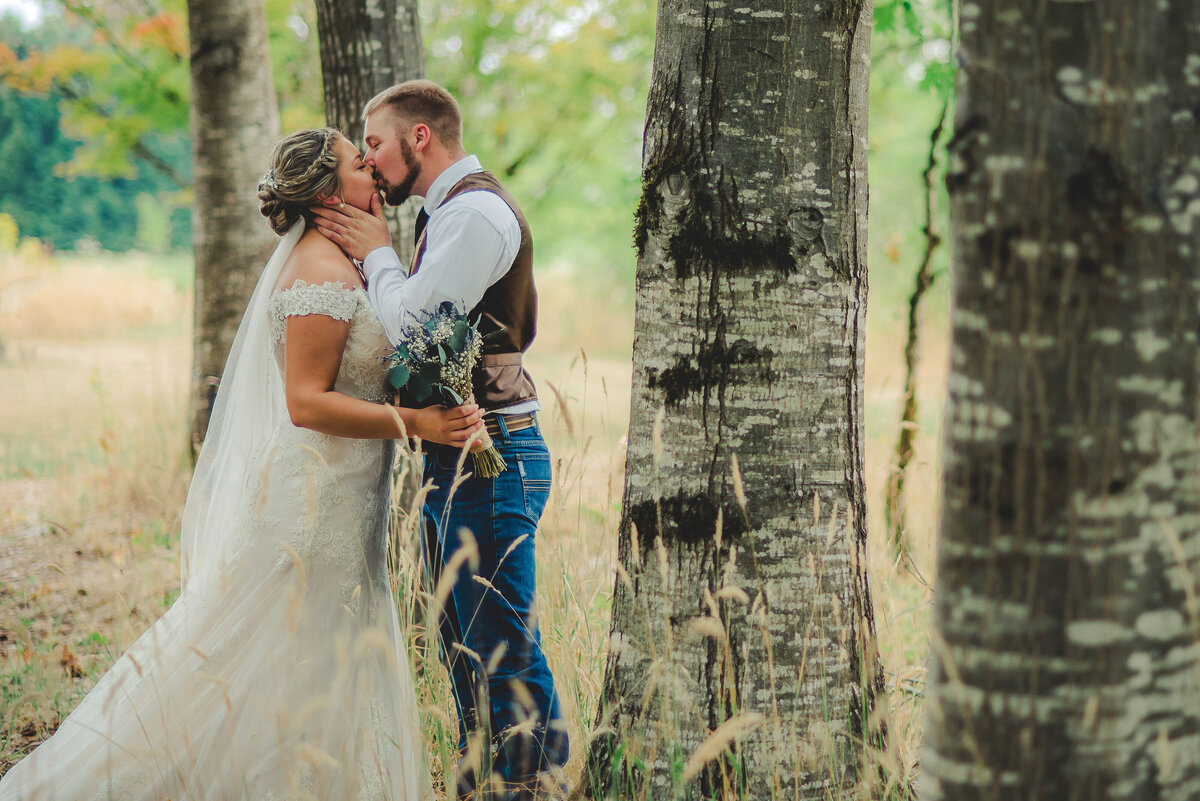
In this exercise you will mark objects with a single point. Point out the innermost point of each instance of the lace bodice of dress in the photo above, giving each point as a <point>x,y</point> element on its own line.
<point>361,374</point>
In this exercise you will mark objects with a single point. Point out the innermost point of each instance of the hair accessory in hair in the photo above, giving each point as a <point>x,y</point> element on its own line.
<point>269,179</point>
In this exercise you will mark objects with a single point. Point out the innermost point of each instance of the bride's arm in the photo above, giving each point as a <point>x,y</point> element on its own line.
<point>313,357</point>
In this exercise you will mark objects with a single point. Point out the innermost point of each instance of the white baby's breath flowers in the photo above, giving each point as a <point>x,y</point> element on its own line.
<point>448,342</point>
<point>444,330</point>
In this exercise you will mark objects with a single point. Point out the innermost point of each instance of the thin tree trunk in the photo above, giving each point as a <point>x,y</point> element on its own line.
<point>1067,643</point>
<point>742,661</point>
<point>894,512</point>
<point>234,123</point>
<point>367,46</point>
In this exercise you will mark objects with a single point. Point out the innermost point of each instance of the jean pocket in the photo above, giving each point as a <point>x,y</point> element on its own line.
<point>536,479</point>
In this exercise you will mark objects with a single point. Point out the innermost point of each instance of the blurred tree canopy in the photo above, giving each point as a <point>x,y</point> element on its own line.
<point>93,111</point>
<point>913,41</point>
<point>553,94</point>
<point>70,168</point>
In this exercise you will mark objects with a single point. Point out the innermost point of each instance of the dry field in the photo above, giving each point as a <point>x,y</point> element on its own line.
<point>93,476</point>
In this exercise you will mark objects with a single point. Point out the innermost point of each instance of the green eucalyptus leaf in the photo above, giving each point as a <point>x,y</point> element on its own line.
<point>499,335</point>
<point>398,376</point>
<point>441,354</point>
<point>430,372</point>
<point>458,340</point>
<point>419,388</point>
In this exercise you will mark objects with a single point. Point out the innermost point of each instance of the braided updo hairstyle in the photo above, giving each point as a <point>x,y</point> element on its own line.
<point>303,172</point>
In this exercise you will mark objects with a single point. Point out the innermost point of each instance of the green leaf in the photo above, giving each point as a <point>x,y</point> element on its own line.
<point>885,17</point>
<point>419,388</point>
<point>402,350</point>
<point>458,340</point>
<point>441,353</point>
<point>499,335</point>
<point>939,77</point>
<point>430,372</point>
<point>911,20</point>
<point>450,397</point>
<point>398,376</point>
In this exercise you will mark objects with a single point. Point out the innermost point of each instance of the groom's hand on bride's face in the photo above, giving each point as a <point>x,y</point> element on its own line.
<point>447,426</point>
<point>355,231</point>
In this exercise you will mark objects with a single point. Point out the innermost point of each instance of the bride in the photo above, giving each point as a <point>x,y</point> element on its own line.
<point>279,672</point>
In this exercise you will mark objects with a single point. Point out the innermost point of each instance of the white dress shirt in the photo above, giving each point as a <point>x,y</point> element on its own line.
<point>471,241</point>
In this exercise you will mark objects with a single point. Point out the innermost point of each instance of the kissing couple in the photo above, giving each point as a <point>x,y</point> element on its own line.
<point>280,671</point>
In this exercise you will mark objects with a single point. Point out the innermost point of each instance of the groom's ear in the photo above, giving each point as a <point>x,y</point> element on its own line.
<point>421,135</point>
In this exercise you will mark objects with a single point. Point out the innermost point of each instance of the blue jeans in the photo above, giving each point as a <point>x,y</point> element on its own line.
<point>496,620</point>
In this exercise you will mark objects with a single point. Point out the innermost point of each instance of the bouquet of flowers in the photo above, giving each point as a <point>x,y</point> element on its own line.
<point>433,363</point>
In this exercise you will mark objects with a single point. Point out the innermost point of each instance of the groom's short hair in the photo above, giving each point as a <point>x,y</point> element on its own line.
<point>421,101</point>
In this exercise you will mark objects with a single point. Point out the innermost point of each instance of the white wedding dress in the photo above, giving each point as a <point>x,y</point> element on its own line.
<point>279,673</point>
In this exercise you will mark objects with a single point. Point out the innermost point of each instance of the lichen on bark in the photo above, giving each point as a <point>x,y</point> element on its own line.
<point>1066,663</point>
<point>736,604</point>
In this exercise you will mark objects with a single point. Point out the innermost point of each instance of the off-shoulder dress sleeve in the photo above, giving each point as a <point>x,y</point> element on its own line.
<point>332,299</point>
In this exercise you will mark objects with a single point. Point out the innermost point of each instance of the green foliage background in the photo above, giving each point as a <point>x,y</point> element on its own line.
<point>63,193</point>
<point>94,140</point>
<point>553,93</point>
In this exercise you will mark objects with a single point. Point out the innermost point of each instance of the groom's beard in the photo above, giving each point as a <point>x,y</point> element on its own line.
<point>395,195</point>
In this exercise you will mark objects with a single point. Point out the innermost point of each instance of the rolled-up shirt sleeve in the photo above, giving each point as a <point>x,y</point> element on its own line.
<point>466,252</point>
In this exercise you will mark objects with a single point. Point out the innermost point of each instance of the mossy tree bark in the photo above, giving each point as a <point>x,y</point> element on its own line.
<point>1067,645</point>
<point>742,661</point>
<point>367,46</point>
<point>234,123</point>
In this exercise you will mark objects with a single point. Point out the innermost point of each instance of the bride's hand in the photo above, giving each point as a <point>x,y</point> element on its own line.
<point>355,231</point>
<point>447,426</point>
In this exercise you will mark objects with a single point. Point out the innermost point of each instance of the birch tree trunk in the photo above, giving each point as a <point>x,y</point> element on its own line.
<point>234,123</point>
<point>1067,646</point>
<point>742,661</point>
<point>367,46</point>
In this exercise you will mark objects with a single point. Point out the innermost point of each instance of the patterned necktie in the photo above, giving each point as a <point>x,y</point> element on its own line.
<point>422,219</point>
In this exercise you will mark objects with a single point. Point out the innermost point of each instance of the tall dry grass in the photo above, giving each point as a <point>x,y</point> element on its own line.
<point>93,474</point>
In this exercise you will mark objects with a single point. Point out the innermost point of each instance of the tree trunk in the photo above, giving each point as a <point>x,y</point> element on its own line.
<point>742,596</point>
<point>234,123</point>
<point>367,46</point>
<point>1067,645</point>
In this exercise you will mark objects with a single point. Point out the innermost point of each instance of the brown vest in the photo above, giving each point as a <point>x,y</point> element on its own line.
<point>507,313</point>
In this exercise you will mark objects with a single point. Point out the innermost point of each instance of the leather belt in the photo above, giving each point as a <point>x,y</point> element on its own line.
<point>513,422</point>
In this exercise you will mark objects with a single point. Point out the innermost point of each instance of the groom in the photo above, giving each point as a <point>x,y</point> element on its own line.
<point>474,249</point>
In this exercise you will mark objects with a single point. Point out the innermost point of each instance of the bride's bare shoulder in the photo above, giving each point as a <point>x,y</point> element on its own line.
<point>316,260</point>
